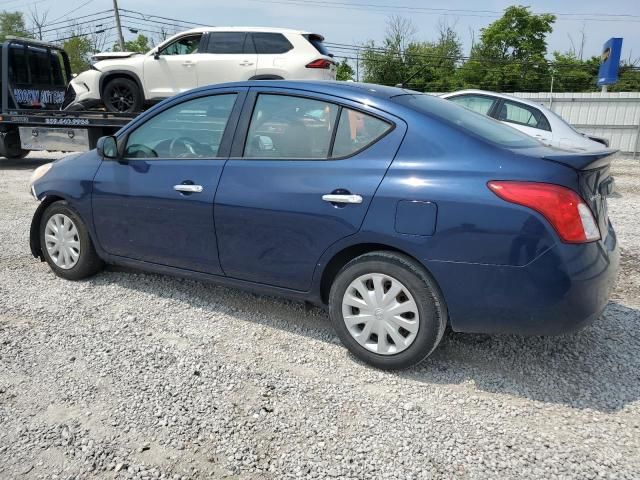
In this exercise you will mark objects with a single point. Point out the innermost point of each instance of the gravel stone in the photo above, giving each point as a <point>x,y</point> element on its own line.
<point>130,375</point>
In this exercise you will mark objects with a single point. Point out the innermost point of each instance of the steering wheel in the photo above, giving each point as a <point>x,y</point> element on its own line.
<point>134,151</point>
<point>187,144</point>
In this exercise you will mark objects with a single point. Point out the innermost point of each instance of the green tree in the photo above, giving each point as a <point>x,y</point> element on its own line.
<point>425,66</point>
<point>433,65</point>
<point>79,49</point>
<point>628,79</point>
<point>344,71</point>
<point>12,23</point>
<point>571,74</point>
<point>510,55</point>
<point>140,44</point>
<point>387,65</point>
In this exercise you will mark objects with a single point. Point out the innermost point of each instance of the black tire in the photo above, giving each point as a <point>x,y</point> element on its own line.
<point>18,155</point>
<point>10,146</point>
<point>425,292</point>
<point>89,263</point>
<point>122,95</point>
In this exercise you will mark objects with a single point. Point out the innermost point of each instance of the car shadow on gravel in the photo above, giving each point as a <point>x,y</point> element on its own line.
<point>597,368</point>
<point>28,163</point>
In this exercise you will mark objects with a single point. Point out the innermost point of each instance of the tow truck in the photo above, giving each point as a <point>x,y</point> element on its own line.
<point>34,78</point>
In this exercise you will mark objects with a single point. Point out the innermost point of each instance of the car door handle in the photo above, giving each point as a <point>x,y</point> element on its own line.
<point>188,64</point>
<point>245,64</point>
<point>186,188</point>
<point>336,198</point>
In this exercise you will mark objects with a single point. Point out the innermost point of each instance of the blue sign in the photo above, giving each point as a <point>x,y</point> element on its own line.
<point>610,62</point>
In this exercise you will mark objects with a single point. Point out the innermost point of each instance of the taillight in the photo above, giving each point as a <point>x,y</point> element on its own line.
<point>320,63</point>
<point>562,207</point>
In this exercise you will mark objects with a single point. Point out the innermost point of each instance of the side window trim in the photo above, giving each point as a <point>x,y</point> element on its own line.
<point>204,42</point>
<point>334,133</point>
<point>242,130</point>
<point>250,44</point>
<point>224,149</point>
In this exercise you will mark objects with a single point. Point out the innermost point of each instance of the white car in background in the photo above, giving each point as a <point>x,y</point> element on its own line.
<point>528,117</point>
<point>126,81</point>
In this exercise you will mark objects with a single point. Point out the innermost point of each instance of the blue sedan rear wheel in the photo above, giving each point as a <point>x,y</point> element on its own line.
<point>387,310</point>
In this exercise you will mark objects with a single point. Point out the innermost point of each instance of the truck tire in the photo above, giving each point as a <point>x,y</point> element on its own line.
<point>122,95</point>
<point>10,146</point>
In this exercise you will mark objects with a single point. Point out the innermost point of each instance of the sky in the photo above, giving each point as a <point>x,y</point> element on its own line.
<point>357,21</point>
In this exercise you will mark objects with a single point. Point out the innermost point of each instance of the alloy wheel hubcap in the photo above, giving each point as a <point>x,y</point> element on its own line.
<point>380,313</point>
<point>121,98</point>
<point>62,241</point>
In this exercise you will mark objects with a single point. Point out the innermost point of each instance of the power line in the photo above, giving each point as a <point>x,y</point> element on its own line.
<point>382,8</point>
<point>74,10</point>
<point>149,17</point>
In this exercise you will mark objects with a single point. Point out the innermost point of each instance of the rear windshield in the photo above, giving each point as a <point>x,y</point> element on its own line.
<point>316,41</point>
<point>474,123</point>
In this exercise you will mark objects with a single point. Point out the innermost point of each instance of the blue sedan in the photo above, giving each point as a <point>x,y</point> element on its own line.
<point>400,212</point>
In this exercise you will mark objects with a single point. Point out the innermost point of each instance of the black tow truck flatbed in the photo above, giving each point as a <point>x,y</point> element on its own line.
<point>34,77</point>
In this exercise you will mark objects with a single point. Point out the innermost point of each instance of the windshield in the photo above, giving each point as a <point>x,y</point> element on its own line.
<point>474,123</point>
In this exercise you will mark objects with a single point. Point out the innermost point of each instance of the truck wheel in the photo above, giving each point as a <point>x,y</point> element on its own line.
<point>18,155</point>
<point>10,146</point>
<point>122,95</point>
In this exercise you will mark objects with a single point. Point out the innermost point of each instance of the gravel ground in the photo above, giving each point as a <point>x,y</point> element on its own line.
<point>132,375</point>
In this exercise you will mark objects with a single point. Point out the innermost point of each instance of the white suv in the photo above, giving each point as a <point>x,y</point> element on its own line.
<point>125,81</point>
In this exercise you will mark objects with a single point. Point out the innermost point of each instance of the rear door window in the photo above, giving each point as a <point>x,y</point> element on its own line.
<point>477,103</point>
<point>226,42</point>
<point>521,114</point>
<point>357,131</point>
<point>290,127</point>
<point>271,43</point>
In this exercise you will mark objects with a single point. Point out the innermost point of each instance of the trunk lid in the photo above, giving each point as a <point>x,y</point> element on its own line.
<point>595,182</point>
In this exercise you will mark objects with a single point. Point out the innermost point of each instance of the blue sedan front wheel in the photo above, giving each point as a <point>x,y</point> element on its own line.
<point>66,244</point>
<point>387,310</point>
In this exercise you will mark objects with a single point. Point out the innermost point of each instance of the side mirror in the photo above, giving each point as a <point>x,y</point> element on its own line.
<point>156,55</point>
<point>107,147</point>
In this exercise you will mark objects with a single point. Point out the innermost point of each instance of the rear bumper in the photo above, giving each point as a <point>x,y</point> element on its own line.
<point>563,290</point>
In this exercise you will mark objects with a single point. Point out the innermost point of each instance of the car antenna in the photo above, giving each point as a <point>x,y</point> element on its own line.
<point>404,83</point>
<point>420,70</point>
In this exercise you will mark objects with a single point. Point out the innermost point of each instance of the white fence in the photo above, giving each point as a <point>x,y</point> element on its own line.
<point>614,116</point>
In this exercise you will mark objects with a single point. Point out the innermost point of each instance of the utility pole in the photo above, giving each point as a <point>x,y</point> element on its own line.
<point>118,25</point>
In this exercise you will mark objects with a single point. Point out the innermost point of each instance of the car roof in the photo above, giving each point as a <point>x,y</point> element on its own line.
<point>328,87</point>
<point>496,95</point>
<point>246,29</point>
